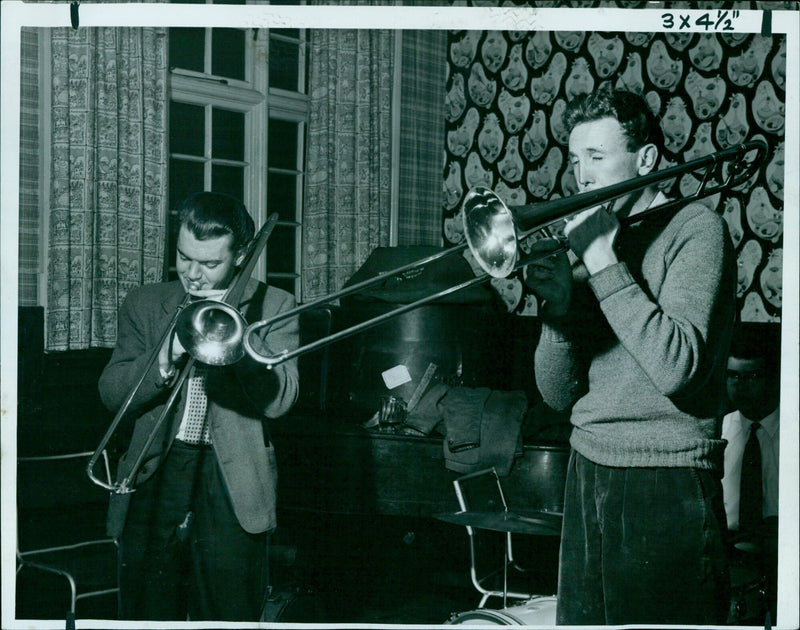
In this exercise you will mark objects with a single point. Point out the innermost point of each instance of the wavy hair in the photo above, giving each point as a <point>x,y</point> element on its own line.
<point>629,109</point>
<point>212,215</point>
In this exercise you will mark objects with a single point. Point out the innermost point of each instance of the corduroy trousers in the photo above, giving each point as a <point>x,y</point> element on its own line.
<point>642,545</point>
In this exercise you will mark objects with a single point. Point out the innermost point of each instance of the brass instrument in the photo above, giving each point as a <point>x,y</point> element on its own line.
<point>493,231</point>
<point>215,332</point>
<point>219,329</point>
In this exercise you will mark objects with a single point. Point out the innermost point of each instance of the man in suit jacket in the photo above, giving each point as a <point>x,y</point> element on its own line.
<point>194,535</point>
<point>753,386</point>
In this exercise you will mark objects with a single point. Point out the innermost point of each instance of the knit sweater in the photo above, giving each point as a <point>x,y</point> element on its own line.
<point>641,356</point>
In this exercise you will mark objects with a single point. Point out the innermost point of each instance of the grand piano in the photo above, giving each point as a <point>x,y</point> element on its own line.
<point>329,464</point>
<point>329,461</point>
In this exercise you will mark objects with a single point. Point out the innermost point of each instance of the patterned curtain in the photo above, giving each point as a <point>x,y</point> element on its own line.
<point>108,185</point>
<point>421,197</point>
<point>29,143</point>
<point>348,186</point>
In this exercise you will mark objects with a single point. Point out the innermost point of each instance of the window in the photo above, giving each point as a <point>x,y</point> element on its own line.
<point>238,111</point>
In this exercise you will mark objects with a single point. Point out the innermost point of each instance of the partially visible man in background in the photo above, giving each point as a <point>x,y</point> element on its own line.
<point>750,484</point>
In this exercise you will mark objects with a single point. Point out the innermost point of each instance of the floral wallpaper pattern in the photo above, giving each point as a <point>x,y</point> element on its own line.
<point>506,92</point>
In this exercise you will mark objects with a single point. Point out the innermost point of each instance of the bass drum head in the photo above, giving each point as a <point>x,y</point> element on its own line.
<point>537,611</point>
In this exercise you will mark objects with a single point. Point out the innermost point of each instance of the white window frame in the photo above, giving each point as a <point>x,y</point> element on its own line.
<point>259,103</point>
<point>248,97</point>
<point>292,107</point>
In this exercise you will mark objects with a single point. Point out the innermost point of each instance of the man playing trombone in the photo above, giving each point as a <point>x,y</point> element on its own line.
<point>194,535</point>
<point>635,332</point>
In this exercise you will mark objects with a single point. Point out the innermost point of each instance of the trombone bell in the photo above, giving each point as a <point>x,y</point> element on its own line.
<point>212,332</point>
<point>491,232</point>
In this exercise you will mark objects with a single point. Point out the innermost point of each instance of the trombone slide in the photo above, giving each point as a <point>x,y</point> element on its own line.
<point>232,296</point>
<point>216,333</point>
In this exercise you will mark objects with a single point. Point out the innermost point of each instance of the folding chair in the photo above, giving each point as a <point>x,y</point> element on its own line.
<point>54,535</point>
<point>484,510</point>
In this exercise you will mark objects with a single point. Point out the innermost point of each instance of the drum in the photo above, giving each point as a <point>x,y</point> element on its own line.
<point>537,611</point>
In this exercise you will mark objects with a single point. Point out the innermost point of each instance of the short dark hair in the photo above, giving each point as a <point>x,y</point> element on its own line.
<point>212,215</point>
<point>631,110</point>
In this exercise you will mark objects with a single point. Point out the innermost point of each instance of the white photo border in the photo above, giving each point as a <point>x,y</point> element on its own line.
<point>16,14</point>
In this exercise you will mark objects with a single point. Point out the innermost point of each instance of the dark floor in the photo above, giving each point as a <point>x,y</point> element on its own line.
<point>397,570</point>
<point>345,569</point>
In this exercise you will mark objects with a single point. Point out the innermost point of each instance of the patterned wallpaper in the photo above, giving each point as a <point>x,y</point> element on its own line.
<point>506,92</point>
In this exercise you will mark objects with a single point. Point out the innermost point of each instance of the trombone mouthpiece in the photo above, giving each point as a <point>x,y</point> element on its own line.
<point>491,232</point>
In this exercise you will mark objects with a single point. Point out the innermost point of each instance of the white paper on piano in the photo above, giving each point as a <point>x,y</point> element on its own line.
<point>396,376</point>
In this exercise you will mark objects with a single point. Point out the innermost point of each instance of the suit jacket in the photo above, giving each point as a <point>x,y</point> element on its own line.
<point>241,398</point>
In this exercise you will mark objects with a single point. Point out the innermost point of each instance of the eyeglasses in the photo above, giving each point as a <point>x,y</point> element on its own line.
<point>751,375</point>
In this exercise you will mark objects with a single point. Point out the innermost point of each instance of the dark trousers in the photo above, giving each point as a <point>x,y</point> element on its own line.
<point>183,552</point>
<point>642,545</point>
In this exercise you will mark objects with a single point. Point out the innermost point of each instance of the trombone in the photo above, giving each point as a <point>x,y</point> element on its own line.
<point>493,232</point>
<point>219,326</point>
<point>214,331</point>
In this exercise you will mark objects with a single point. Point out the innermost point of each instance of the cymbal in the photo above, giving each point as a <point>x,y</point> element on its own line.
<point>537,523</point>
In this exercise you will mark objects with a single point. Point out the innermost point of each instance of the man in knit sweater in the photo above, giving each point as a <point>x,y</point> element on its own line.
<point>636,328</point>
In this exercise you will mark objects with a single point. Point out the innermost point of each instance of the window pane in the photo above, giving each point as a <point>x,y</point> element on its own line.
<point>282,196</point>
<point>184,178</point>
<point>284,61</point>
<point>228,179</point>
<point>281,250</point>
<point>186,129</point>
<point>287,284</point>
<point>227,52</point>
<point>187,48</point>
<point>227,133</point>
<point>282,140</point>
